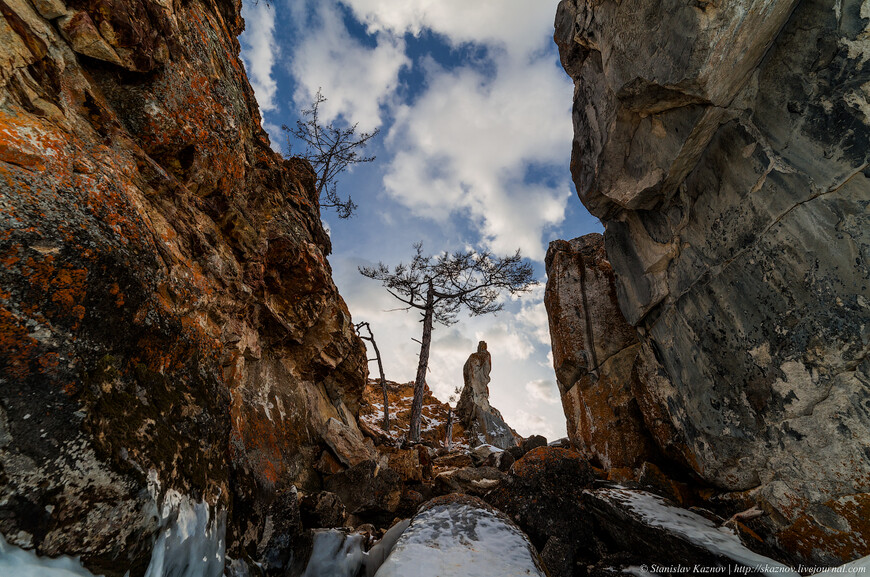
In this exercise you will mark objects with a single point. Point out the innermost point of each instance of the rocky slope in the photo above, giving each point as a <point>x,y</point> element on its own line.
<point>433,426</point>
<point>724,147</point>
<point>167,316</point>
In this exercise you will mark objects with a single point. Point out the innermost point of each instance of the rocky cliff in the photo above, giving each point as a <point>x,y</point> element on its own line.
<point>167,316</point>
<point>725,148</point>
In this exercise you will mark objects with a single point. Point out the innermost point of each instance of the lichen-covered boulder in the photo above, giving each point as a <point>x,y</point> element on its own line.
<point>542,493</point>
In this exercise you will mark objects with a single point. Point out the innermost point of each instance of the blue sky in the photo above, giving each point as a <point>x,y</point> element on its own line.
<point>475,119</point>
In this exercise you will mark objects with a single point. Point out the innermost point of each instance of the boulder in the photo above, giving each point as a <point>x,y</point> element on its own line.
<point>501,461</point>
<point>723,146</point>
<point>460,536</point>
<point>346,442</point>
<point>533,442</point>
<point>542,493</point>
<point>657,532</point>
<point>482,452</point>
<point>476,481</point>
<point>367,488</point>
<point>453,461</point>
<point>483,423</point>
<point>594,353</point>
<point>322,510</point>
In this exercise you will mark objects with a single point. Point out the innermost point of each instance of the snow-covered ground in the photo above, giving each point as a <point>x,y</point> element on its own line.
<point>456,540</point>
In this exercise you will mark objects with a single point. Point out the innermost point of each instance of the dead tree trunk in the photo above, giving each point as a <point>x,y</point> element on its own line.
<point>371,339</point>
<point>450,429</point>
<point>420,383</point>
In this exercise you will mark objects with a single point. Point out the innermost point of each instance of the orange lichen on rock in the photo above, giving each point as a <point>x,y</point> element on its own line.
<point>848,539</point>
<point>433,427</point>
<point>166,305</point>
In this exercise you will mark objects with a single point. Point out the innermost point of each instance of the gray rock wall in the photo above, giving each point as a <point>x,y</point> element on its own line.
<point>726,147</point>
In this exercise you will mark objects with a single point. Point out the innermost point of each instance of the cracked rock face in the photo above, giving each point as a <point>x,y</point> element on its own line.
<point>166,306</point>
<point>594,354</point>
<point>725,147</point>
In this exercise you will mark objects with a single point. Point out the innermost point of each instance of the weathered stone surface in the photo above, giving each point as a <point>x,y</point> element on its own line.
<point>406,462</point>
<point>322,510</point>
<point>482,421</point>
<point>542,493</point>
<point>724,146</point>
<point>453,461</point>
<point>534,442</point>
<point>594,353</point>
<point>657,533</point>
<point>433,428</point>
<point>346,442</point>
<point>476,481</point>
<point>367,488</point>
<point>166,306</point>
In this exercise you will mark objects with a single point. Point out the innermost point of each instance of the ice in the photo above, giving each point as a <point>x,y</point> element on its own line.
<point>696,529</point>
<point>337,554</point>
<point>21,563</point>
<point>460,540</point>
<point>191,543</point>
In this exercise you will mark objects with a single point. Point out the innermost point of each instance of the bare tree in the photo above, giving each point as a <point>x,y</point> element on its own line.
<point>440,286</point>
<point>371,338</point>
<point>451,402</point>
<point>330,150</point>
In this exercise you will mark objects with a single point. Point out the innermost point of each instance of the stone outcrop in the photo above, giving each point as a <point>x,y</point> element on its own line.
<point>724,147</point>
<point>483,422</point>
<point>594,353</point>
<point>167,315</point>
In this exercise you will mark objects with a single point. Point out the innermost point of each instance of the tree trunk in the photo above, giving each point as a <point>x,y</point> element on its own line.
<point>422,366</point>
<point>450,429</point>
<point>383,383</point>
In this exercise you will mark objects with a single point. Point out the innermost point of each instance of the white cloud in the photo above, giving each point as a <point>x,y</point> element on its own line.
<point>527,424</point>
<point>465,146</point>
<point>356,79</point>
<point>517,25</point>
<point>259,51</point>
<point>543,390</point>
<point>504,337</point>
<point>533,315</point>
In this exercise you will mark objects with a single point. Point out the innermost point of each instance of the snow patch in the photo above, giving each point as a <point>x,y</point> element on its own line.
<point>695,529</point>
<point>458,539</point>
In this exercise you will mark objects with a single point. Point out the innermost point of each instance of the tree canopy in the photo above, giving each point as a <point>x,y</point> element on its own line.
<point>469,279</point>
<point>440,286</point>
<point>330,150</point>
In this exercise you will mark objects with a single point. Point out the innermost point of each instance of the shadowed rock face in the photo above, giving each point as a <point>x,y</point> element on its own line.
<point>724,146</point>
<point>165,300</point>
